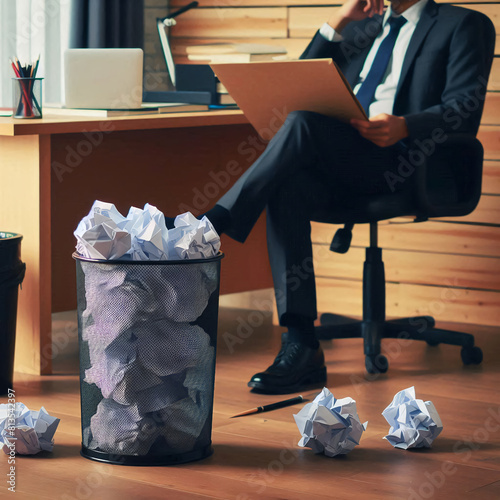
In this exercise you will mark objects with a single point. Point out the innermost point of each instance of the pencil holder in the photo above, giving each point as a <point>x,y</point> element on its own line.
<point>147,335</point>
<point>27,97</point>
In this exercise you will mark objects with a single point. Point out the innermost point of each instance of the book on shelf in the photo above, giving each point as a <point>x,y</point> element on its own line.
<point>226,99</point>
<point>220,89</point>
<point>233,57</point>
<point>145,109</point>
<point>181,108</point>
<point>235,48</point>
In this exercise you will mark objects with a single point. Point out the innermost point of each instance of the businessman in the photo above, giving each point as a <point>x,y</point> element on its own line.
<point>420,71</point>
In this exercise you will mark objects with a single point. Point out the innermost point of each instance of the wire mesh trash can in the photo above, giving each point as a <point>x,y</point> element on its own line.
<point>147,335</point>
<point>11,276</point>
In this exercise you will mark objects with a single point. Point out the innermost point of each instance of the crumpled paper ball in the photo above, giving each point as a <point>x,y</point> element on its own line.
<point>192,238</point>
<point>105,234</point>
<point>149,233</point>
<point>330,426</point>
<point>414,423</point>
<point>33,430</point>
<point>185,292</point>
<point>166,348</point>
<point>117,428</point>
<point>101,234</point>
<point>141,355</point>
<point>177,408</point>
<point>144,293</point>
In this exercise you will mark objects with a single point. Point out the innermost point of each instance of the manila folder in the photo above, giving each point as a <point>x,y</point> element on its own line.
<point>267,91</point>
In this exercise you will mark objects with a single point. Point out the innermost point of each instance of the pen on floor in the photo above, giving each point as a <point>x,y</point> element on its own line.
<point>271,407</point>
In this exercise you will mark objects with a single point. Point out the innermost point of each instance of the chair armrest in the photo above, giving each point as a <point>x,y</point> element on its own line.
<point>448,183</point>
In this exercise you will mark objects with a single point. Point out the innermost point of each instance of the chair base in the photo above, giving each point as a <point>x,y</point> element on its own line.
<point>334,326</point>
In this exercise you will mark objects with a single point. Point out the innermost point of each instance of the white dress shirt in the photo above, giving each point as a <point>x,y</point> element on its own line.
<point>386,91</point>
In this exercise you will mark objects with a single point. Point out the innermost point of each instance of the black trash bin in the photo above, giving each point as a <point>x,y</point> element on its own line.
<point>11,276</point>
<point>147,336</point>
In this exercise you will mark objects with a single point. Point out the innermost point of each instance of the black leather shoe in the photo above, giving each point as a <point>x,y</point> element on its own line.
<point>295,368</point>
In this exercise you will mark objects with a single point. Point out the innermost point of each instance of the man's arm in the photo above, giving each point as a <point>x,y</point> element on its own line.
<point>352,10</point>
<point>462,100</point>
<point>383,130</point>
<point>467,71</point>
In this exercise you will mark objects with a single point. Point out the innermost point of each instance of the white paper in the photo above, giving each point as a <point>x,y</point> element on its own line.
<point>414,423</point>
<point>118,428</point>
<point>149,233</point>
<point>33,430</point>
<point>106,234</point>
<point>330,426</point>
<point>192,238</point>
<point>108,365</point>
<point>100,235</point>
<point>166,348</point>
<point>185,292</point>
<point>183,423</point>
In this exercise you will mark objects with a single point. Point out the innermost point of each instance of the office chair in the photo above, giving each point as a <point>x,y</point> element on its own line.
<point>448,183</point>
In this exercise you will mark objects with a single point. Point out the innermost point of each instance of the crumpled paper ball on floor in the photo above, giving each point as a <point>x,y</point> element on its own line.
<point>32,431</point>
<point>414,423</point>
<point>330,426</point>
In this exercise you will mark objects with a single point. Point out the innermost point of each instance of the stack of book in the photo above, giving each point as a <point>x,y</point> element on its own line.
<point>223,96</point>
<point>146,109</point>
<point>233,53</point>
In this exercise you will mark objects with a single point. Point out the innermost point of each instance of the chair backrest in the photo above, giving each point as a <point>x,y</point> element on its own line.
<point>449,184</point>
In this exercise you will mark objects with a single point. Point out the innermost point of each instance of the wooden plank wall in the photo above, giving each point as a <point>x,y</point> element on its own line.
<point>449,267</point>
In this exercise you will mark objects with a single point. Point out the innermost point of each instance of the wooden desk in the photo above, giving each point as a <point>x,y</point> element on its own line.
<point>51,171</point>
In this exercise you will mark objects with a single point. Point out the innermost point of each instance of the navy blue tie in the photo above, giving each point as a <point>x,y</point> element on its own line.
<point>366,92</point>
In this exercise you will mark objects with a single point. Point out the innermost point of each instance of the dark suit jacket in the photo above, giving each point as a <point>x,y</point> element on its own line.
<point>445,71</point>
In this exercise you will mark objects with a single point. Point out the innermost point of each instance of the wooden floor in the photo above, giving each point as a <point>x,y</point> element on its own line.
<point>257,457</point>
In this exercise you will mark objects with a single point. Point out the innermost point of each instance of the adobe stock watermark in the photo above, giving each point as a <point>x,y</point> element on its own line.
<point>262,309</point>
<point>265,476</point>
<point>10,426</point>
<point>223,7</point>
<point>422,149</point>
<point>462,449</point>
<point>363,37</point>
<point>38,20</point>
<point>393,347</point>
<point>60,341</point>
<point>88,487</point>
<point>249,149</point>
<point>93,139</point>
<point>84,148</point>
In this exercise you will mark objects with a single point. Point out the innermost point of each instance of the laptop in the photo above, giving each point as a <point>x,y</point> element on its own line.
<point>103,78</point>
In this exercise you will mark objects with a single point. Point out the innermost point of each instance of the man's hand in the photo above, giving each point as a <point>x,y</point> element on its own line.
<point>355,10</point>
<point>383,130</point>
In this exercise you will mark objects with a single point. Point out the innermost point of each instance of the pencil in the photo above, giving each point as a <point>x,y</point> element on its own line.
<point>36,66</point>
<point>271,407</point>
<point>26,90</point>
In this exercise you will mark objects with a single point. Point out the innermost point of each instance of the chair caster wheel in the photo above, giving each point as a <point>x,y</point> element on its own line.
<point>433,343</point>
<point>471,355</point>
<point>376,364</point>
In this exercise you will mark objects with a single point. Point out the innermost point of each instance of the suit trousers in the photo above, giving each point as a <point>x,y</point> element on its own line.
<point>313,165</point>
